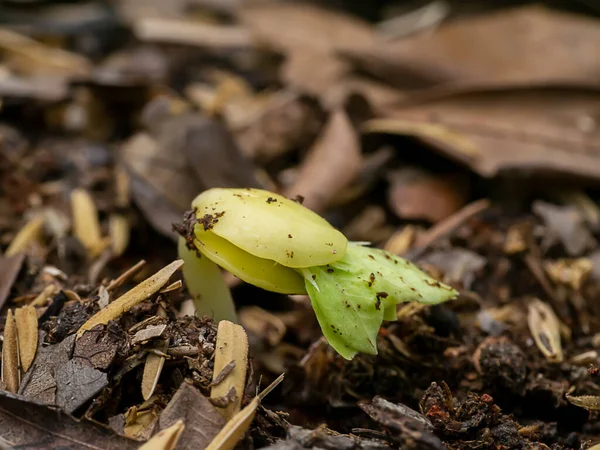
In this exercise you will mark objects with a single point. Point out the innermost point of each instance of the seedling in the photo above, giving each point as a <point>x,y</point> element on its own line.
<point>277,244</point>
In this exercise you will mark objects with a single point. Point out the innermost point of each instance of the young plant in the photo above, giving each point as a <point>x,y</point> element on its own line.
<point>277,244</point>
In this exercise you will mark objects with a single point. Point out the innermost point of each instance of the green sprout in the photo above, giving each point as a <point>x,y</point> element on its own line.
<point>279,245</point>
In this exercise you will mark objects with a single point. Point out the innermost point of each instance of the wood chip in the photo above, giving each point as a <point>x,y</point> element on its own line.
<point>86,224</point>
<point>235,429</point>
<point>589,402</point>
<point>27,331</point>
<point>152,370</point>
<point>232,346</point>
<point>138,294</point>
<point>150,332</point>
<point>166,439</point>
<point>31,232</point>
<point>545,329</point>
<point>10,355</point>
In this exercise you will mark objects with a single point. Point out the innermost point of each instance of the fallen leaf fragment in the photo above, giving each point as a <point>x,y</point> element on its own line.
<point>236,427</point>
<point>337,147</point>
<point>589,402</point>
<point>263,323</point>
<point>166,439</point>
<point>10,355</point>
<point>545,329</point>
<point>231,347</point>
<point>29,233</point>
<point>10,266</point>
<point>202,420</point>
<point>138,294</point>
<point>152,370</point>
<point>86,225</point>
<point>27,331</point>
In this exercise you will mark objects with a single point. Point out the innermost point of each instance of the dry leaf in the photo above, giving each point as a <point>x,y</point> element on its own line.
<point>166,439</point>
<point>140,422</point>
<point>545,329</point>
<point>401,241</point>
<point>43,296</point>
<point>138,294</point>
<point>589,402</point>
<point>86,225</point>
<point>235,429</point>
<point>337,147</point>
<point>11,376</point>
<point>31,232</point>
<point>9,270</point>
<point>262,323</point>
<point>231,347</point>
<point>27,331</point>
<point>119,230</point>
<point>152,370</point>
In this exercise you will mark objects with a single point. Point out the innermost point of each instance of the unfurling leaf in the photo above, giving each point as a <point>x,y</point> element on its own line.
<point>353,296</point>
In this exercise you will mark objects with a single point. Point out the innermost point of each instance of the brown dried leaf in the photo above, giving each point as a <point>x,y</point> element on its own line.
<point>331,165</point>
<point>589,402</point>
<point>31,232</point>
<point>86,224</point>
<point>27,330</point>
<point>138,294</point>
<point>231,346</point>
<point>28,424</point>
<point>509,130</point>
<point>545,329</point>
<point>202,420</point>
<point>166,439</point>
<point>9,270</point>
<point>525,34</point>
<point>236,427</point>
<point>150,332</point>
<point>10,355</point>
<point>152,370</point>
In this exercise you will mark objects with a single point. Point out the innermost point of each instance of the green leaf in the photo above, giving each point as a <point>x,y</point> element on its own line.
<point>351,297</point>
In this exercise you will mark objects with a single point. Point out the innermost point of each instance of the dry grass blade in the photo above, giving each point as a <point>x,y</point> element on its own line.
<point>589,402</point>
<point>86,225</point>
<point>10,355</point>
<point>27,331</point>
<point>232,346</point>
<point>545,328</point>
<point>138,294</point>
<point>29,233</point>
<point>236,427</point>
<point>152,370</point>
<point>167,439</point>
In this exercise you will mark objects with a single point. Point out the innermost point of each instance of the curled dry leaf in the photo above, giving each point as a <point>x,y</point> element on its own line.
<point>545,329</point>
<point>27,331</point>
<point>10,355</point>
<point>231,347</point>
<point>138,294</point>
<point>86,225</point>
<point>236,427</point>
<point>337,147</point>
<point>31,232</point>
<point>589,402</point>
<point>166,439</point>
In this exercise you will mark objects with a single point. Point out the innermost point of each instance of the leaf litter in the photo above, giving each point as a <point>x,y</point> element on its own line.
<point>481,169</point>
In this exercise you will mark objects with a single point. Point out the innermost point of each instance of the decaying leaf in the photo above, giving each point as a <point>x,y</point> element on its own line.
<point>152,370</point>
<point>166,439</point>
<point>27,330</point>
<point>338,147</point>
<point>10,355</point>
<point>589,402</point>
<point>236,427</point>
<point>10,266</point>
<point>31,232</point>
<point>76,384</point>
<point>545,329</point>
<point>201,419</point>
<point>138,294</point>
<point>86,225</point>
<point>231,347</point>
<point>29,424</point>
